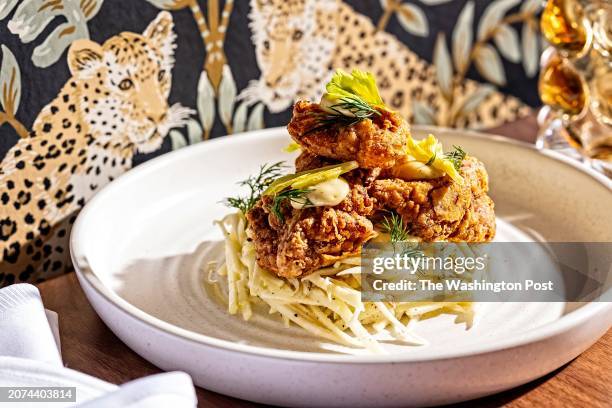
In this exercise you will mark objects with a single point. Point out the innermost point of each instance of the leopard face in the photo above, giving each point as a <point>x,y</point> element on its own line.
<point>113,106</point>
<point>294,42</point>
<point>299,43</point>
<point>123,85</point>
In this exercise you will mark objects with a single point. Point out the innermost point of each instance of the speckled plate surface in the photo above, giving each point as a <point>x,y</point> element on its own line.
<point>140,245</point>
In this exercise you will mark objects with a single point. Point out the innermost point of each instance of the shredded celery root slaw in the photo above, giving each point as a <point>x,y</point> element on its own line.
<point>326,303</point>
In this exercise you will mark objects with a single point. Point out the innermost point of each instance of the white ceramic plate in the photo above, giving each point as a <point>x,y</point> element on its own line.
<point>141,245</point>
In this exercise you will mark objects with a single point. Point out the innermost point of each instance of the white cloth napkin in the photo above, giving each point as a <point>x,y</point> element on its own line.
<point>30,356</point>
<point>26,329</point>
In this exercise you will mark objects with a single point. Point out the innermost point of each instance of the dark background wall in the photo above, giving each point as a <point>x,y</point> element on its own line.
<point>40,85</point>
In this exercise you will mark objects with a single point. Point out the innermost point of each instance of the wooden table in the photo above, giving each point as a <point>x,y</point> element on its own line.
<point>89,346</point>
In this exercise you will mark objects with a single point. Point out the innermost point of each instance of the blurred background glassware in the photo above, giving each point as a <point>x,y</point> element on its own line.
<point>575,82</point>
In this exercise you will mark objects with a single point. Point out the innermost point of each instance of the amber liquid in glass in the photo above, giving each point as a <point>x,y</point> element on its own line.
<point>562,26</point>
<point>576,77</point>
<point>561,88</point>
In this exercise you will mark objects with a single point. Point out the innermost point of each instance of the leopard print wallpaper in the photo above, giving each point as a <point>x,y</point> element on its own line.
<point>92,88</point>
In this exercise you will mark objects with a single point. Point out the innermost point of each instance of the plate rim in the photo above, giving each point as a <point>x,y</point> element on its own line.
<point>88,276</point>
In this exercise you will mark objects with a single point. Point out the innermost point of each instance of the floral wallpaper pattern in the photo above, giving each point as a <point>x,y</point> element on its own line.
<point>90,88</point>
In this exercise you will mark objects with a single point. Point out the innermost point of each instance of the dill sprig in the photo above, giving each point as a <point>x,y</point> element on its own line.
<point>256,185</point>
<point>399,235</point>
<point>296,195</point>
<point>356,106</point>
<point>359,110</point>
<point>325,121</point>
<point>456,156</point>
<point>395,227</point>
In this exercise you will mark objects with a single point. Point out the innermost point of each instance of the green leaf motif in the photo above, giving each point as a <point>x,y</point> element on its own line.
<point>444,66</point>
<point>489,64</point>
<point>531,52</point>
<point>206,103</point>
<point>194,131</point>
<point>6,6</point>
<point>256,120</point>
<point>493,15</point>
<point>423,114</point>
<point>31,19</point>
<point>227,96</point>
<point>10,81</point>
<point>531,6</point>
<point>471,102</point>
<point>413,20</point>
<point>240,118</point>
<point>177,139</point>
<point>463,37</point>
<point>507,42</point>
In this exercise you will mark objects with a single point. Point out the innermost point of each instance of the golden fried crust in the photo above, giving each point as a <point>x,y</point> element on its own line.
<point>478,224</point>
<point>437,209</point>
<point>264,235</point>
<point>377,142</point>
<point>311,238</point>
<point>440,209</point>
<point>318,237</point>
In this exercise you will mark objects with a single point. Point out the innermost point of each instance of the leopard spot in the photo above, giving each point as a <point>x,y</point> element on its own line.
<point>9,279</point>
<point>44,227</point>
<point>26,274</point>
<point>11,254</point>
<point>7,228</point>
<point>29,218</point>
<point>398,99</point>
<point>24,197</point>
